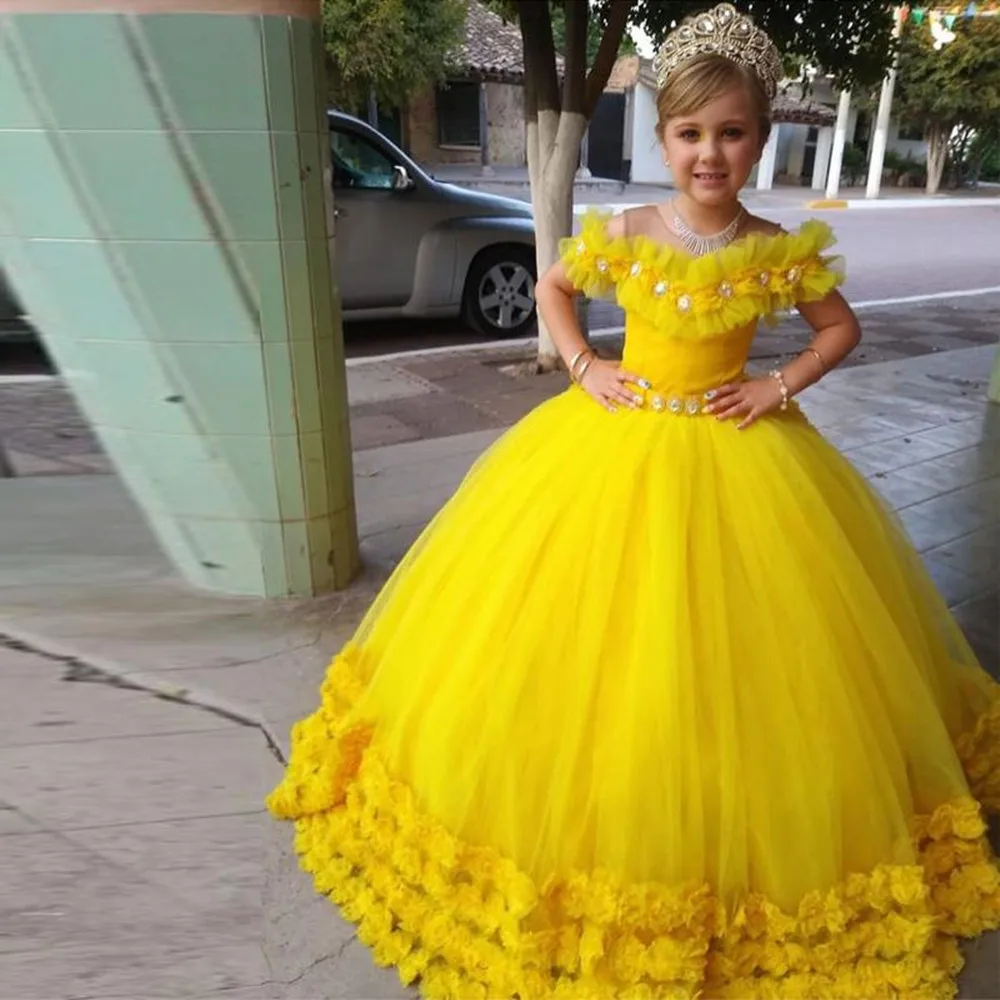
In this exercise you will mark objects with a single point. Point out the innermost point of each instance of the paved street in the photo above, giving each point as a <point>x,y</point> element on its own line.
<point>890,253</point>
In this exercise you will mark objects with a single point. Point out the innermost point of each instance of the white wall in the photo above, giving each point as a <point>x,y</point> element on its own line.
<point>647,158</point>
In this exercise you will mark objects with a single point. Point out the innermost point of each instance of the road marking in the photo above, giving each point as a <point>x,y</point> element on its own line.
<point>599,333</point>
<point>605,332</point>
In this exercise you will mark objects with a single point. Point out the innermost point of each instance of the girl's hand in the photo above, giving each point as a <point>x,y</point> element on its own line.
<point>750,400</point>
<point>605,382</point>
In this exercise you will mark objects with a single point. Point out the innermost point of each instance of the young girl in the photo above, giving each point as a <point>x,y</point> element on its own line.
<point>662,703</point>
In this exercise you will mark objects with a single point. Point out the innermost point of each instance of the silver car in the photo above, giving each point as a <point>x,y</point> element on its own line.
<point>409,245</point>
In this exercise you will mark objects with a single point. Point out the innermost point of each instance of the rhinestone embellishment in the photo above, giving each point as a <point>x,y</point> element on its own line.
<point>581,247</point>
<point>661,288</point>
<point>602,265</point>
<point>793,274</point>
<point>679,406</point>
<point>684,303</point>
<point>635,270</point>
<point>726,289</point>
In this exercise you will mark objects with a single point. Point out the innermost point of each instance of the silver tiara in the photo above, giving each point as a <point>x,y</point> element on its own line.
<point>722,31</point>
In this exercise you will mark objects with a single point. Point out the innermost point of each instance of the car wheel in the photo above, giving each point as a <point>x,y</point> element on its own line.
<point>499,298</point>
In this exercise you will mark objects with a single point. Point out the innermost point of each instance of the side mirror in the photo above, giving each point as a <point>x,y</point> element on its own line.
<point>401,180</point>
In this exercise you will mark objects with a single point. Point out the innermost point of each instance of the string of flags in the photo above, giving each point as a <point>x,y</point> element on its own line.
<point>942,21</point>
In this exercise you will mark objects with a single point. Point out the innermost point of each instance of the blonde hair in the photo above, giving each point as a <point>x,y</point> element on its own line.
<point>704,79</point>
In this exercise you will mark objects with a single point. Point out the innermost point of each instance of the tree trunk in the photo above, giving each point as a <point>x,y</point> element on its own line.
<point>552,201</point>
<point>557,122</point>
<point>937,155</point>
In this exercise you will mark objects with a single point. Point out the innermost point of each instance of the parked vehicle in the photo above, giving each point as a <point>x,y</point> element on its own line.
<point>409,245</point>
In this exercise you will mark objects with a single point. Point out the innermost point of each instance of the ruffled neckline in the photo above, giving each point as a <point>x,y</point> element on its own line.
<point>759,275</point>
<point>813,234</point>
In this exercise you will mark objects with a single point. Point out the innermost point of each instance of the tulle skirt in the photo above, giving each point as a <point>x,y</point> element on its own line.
<point>653,708</point>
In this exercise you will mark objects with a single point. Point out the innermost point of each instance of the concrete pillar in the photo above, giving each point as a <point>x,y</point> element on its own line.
<point>839,141</point>
<point>768,160</point>
<point>166,217</point>
<point>821,166</point>
<point>994,390</point>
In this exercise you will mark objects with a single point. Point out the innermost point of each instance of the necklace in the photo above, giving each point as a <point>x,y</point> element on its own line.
<point>700,245</point>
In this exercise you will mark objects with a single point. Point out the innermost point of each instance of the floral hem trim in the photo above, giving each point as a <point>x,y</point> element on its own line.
<point>757,276</point>
<point>465,922</point>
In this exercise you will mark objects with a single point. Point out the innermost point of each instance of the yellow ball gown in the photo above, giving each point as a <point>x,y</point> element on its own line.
<point>655,707</point>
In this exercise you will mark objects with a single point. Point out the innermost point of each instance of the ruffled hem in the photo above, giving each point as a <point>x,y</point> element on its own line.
<point>757,276</point>
<point>466,923</point>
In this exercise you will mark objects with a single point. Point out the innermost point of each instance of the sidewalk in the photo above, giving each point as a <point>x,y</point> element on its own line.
<point>429,396</point>
<point>155,802</point>
<point>600,191</point>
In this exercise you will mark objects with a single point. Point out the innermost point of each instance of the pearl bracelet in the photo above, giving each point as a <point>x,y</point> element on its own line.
<point>779,377</point>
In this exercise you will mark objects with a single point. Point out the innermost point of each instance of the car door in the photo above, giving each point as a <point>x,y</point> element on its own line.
<point>379,224</point>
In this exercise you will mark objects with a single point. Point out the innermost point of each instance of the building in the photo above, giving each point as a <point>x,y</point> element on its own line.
<point>622,141</point>
<point>477,115</point>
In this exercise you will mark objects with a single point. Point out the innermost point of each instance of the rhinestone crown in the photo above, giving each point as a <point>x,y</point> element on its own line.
<point>723,31</point>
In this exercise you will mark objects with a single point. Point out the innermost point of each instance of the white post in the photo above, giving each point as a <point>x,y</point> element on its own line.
<point>821,166</point>
<point>881,138</point>
<point>839,141</point>
<point>768,160</point>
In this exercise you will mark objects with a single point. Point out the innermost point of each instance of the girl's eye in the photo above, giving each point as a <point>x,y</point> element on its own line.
<point>689,133</point>
<point>733,133</point>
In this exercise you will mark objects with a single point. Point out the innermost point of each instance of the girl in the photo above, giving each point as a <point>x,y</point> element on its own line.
<point>662,703</point>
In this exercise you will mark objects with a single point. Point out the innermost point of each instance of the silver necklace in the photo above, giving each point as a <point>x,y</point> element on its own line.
<point>700,245</point>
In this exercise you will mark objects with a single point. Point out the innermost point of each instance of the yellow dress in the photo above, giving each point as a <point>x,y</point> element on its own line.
<point>655,707</point>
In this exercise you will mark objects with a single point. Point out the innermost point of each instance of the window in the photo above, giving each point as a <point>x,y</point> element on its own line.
<point>359,164</point>
<point>458,115</point>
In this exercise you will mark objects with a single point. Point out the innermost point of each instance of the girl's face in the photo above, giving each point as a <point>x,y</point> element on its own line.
<point>712,151</point>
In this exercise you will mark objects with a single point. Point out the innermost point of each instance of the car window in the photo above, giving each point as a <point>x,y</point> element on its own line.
<point>359,164</point>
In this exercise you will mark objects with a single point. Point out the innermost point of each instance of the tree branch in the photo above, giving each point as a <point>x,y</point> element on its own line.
<point>607,53</point>
<point>575,68</point>
<point>539,54</point>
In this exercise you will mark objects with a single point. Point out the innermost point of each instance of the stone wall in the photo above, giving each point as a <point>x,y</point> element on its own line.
<point>505,117</point>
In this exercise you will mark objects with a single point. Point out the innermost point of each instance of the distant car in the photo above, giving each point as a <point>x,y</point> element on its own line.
<point>409,245</point>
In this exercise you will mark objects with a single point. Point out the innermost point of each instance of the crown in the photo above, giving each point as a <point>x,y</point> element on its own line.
<point>722,31</point>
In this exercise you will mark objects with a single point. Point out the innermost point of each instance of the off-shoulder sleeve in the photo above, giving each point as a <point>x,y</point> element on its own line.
<point>810,273</point>
<point>594,260</point>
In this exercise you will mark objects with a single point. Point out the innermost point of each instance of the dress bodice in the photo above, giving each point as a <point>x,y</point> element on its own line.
<point>690,321</point>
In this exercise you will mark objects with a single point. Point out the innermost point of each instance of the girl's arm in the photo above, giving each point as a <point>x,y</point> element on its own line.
<point>604,381</point>
<point>837,334</point>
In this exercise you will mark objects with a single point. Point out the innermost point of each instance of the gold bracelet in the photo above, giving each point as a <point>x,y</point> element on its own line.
<point>576,357</point>
<point>581,361</point>
<point>588,361</point>
<point>824,367</point>
<point>779,377</point>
